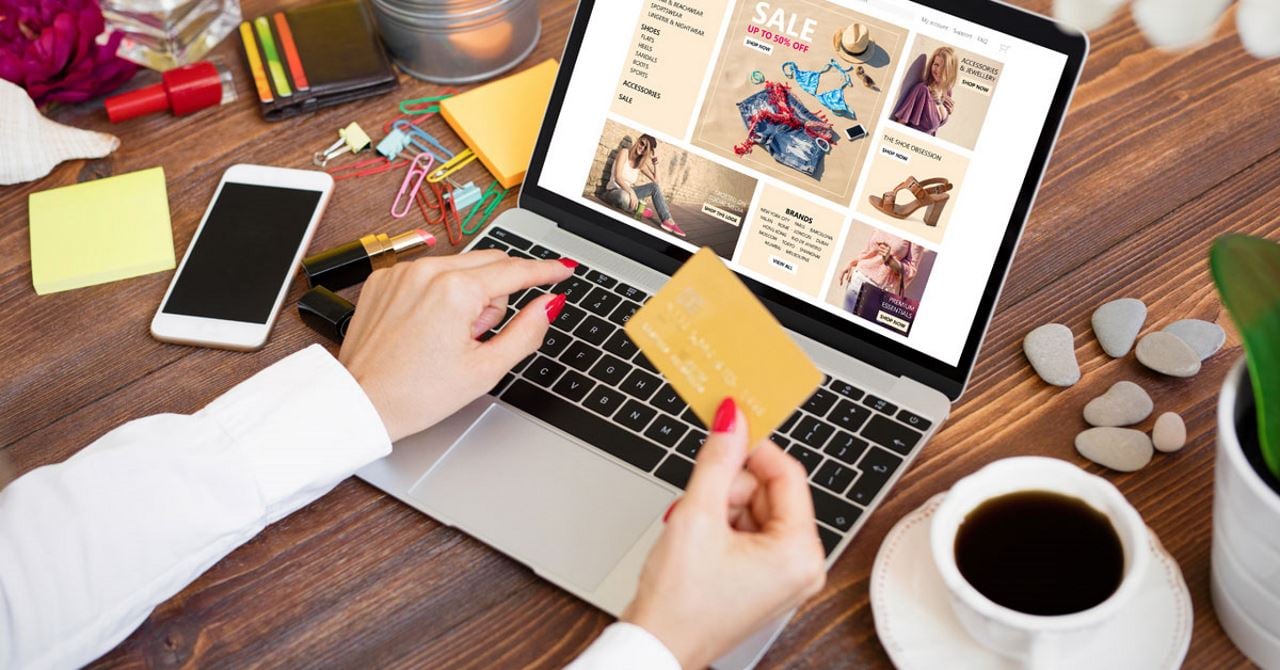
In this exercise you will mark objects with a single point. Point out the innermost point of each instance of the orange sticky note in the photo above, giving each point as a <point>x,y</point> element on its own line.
<point>711,338</point>
<point>500,120</point>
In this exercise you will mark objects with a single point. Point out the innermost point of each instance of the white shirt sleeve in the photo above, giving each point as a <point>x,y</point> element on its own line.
<point>624,646</point>
<point>89,546</point>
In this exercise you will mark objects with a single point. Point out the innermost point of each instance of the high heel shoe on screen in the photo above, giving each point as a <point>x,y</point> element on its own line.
<point>929,193</point>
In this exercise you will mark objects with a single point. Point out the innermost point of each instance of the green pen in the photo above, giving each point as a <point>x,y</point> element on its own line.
<point>272,57</point>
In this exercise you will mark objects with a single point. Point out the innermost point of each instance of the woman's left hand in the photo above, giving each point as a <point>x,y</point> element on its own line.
<point>412,344</point>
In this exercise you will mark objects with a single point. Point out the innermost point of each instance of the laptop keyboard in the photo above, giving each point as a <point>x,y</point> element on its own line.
<point>590,380</point>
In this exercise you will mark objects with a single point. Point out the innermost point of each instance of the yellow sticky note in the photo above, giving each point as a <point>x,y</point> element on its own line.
<point>100,231</point>
<point>500,120</point>
<point>711,338</point>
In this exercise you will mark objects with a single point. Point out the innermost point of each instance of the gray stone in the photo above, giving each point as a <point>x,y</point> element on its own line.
<point>1204,337</point>
<point>1052,352</point>
<point>1167,354</point>
<point>1124,404</point>
<point>1122,449</point>
<point>1116,325</point>
<point>1170,433</point>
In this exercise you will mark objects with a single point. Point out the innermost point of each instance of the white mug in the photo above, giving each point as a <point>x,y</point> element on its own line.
<point>1036,641</point>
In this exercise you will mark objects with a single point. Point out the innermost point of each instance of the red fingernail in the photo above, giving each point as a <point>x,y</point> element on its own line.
<point>670,508</point>
<point>554,307</point>
<point>568,262</point>
<point>725,416</point>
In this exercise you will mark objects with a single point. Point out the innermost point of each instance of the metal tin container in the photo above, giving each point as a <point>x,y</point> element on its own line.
<point>457,41</point>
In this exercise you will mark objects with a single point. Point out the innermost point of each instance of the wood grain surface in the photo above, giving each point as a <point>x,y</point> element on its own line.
<point>1161,152</point>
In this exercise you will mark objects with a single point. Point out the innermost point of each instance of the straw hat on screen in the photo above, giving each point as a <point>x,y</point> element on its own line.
<point>853,44</point>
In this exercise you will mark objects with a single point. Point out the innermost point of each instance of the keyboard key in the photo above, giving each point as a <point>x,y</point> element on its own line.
<point>624,312</point>
<point>570,317</point>
<point>879,404</point>
<point>489,243</point>
<point>543,371</point>
<point>879,462</point>
<point>644,363</point>
<point>630,292</point>
<point>510,238</point>
<point>635,416</point>
<point>524,363</point>
<point>595,431</point>
<point>581,270</point>
<point>675,471</point>
<point>526,298</point>
<point>610,370</point>
<point>691,443</point>
<point>845,389</point>
<point>667,400</point>
<point>692,419</point>
<point>604,401</point>
<point>918,422</point>
<point>573,288</point>
<point>519,254</point>
<point>789,423</point>
<point>849,416</point>
<point>620,345</point>
<point>807,457</point>
<point>665,430</point>
<point>820,402</point>
<point>640,384</point>
<point>600,278</point>
<point>889,433</point>
<point>601,302</point>
<point>580,356</point>
<point>594,330</point>
<point>573,386</point>
<point>865,489</point>
<point>846,447</point>
<point>502,384</point>
<point>812,432</point>
<point>539,251</point>
<point>834,476</point>
<point>833,511</point>
<point>829,540</point>
<point>505,318</point>
<point>779,440</point>
<point>554,342</point>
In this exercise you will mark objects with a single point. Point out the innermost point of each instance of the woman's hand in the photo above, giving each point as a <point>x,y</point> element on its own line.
<point>847,275</point>
<point>740,548</point>
<point>948,103</point>
<point>412,344</point>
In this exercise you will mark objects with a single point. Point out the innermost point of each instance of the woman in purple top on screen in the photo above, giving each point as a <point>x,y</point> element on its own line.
<point>928,104</point>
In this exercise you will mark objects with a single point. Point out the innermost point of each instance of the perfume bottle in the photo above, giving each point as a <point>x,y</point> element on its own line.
<point>164,34</point>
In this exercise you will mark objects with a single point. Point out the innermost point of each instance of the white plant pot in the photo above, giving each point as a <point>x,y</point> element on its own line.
<point>1246,536</point>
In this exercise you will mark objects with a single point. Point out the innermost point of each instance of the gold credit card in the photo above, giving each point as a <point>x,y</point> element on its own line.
<point>711,338</point>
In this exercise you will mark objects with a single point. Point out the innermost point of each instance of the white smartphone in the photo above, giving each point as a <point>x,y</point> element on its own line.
<point>230,285</point>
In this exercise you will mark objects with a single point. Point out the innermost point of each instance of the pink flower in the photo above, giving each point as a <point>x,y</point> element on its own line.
<point>48,48</point>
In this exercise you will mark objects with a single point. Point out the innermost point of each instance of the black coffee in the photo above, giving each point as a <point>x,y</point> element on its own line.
<point>1040,553</point>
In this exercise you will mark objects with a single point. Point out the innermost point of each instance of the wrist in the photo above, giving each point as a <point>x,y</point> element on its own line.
<point>659,627</point>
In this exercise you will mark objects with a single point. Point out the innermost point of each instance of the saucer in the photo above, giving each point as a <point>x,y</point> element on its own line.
<point>918,629</point>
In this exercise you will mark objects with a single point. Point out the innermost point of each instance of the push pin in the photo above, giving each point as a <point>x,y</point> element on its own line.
<point>352,138</point>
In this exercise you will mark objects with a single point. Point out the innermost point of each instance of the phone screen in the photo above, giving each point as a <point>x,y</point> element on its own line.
<point>244,253</point>
<point>855,132</point>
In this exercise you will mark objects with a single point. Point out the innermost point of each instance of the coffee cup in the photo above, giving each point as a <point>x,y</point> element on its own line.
<point>1036,641</point>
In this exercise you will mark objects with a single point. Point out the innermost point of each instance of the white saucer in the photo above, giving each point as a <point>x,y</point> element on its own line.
<point>918,629</point>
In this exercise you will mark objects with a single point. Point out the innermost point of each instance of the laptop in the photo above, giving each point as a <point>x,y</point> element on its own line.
<point>865,166</point>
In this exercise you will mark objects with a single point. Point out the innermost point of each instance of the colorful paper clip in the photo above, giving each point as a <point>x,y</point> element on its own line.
<point>491,192</point>
<point>365,168</point>
<point>418,168</point>
<point>452,165</point>
<point>352,138</point>
<point>415,106</point>
<point>423,140</point>
<point>447,209</point>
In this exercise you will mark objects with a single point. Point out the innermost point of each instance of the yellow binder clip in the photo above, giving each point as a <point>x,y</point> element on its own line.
<point>453,165</point>
<point>352,138</point>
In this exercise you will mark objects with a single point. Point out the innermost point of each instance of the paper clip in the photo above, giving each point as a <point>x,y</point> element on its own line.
<point>445,206</point>
<point>452,165</point>
<point>418,168</point>
<point>352,138</point>
<point>414,106</point>
<point>417,136</point>
<point>497,195</point>
<point>365,168</point>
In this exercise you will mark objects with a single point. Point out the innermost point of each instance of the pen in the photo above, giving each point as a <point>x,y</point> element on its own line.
<point>351,263</point>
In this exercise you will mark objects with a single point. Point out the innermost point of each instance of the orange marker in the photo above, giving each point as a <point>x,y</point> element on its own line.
<point>290,52</point>
<point>255,63</point>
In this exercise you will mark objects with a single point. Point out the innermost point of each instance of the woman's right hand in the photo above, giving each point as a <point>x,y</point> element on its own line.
<point>412,344</point>
<point>740,548</point>
<point>847,275</point>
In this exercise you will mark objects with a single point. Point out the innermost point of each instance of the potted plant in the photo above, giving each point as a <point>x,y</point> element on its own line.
<point>1246,499</point>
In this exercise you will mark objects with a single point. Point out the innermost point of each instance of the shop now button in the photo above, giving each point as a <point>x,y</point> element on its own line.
<point>782,265</point>
<point>762,47</point>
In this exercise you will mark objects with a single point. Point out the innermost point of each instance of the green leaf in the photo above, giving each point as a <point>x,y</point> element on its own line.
<point>1247,272</point>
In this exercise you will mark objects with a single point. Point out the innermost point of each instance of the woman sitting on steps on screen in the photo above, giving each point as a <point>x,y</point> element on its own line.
<point>624,193</point>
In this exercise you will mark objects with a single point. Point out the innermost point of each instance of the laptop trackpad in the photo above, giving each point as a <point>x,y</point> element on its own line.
<point>563,509</point>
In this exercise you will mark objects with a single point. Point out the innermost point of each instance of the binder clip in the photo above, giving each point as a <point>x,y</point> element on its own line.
<point>465,195</point>
<point>352,138</point>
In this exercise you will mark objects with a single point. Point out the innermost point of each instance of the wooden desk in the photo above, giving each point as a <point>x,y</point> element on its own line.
<point>1160,154</point>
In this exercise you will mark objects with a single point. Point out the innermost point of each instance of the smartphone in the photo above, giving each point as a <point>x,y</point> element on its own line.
<point>855,132</point>
<point>231,282</point>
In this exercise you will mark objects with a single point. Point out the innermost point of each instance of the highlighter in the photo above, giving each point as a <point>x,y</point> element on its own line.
<point>353,262</point>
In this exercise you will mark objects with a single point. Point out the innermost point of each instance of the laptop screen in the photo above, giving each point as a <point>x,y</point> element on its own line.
<point>864,156</point>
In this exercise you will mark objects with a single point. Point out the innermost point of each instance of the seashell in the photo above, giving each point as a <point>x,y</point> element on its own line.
<point>33,144</point>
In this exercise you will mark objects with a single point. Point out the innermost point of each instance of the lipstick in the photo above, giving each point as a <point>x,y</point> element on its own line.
<point>353,262</point>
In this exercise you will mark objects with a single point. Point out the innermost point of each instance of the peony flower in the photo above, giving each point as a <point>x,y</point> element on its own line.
<point>48,47</point>
<point>1178,24</point>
